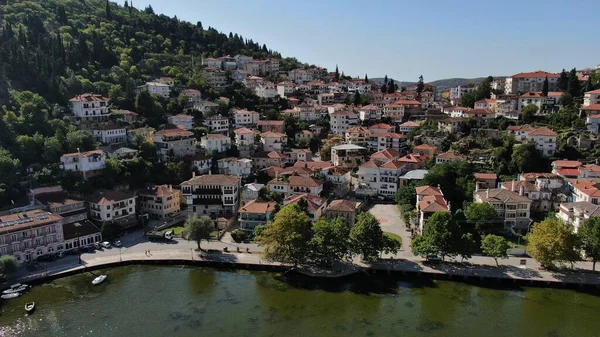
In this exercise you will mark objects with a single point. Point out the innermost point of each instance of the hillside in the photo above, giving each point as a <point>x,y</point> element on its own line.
<point>440,84</point>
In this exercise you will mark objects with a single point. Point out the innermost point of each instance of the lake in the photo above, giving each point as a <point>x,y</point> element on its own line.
<point>157,301</point>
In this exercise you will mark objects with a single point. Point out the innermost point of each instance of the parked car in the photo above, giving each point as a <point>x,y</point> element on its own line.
<point>433,259</point>
<point>97,245</point>
<point>117,243</point>
<point>105,244</point>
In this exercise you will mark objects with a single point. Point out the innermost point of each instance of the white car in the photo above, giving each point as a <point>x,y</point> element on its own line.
<point>117,243</point>
<point>105,244</point>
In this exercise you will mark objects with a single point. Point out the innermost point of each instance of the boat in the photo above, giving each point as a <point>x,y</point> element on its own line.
<point>99,279</point>
<point>29,307</point>
<point>10,296</point>
<point>16,288</point>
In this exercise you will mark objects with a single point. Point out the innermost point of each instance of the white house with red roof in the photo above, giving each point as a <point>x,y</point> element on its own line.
<point>386,140</point>
<point>88,163</point>
<point>313,204</point>
<point>342,120</point>
<point>591,97</point>
<point>216,143</point>
<point>532,81</point>
<point>244,140</point>
<point>380,177</point>
<point>486,104</point>
<point>543,137</point>
<point>185,122</point>
<point>455,111</point>
<point>430,200</point>
<point>243,118</point>
<point>448,157</point>
<point>273,141</point>
<point>370,113</point>
<point>90,107</point>
<point>542,102</point>
<point>585,190</point>
<point>296,185</point>
<point>593,118</point>
<point>408,127</point>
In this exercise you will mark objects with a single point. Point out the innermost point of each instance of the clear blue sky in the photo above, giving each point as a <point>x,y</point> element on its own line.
<point>403,39</point>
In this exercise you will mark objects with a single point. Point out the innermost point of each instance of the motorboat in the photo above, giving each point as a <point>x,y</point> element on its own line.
<point>10,296</point>
<point>16,288</point>
<point>29,307</point>
<point>99,279</point>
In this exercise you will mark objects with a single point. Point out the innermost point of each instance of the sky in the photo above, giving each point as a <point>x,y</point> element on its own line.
<point>404,39</point>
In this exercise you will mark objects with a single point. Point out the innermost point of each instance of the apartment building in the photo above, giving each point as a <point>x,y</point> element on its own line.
<point>543,137</point>
<point>240,167</point>
<point>159,202</point>
<point>545,104</point>
<point>215,143</point>
<point>382,141</point>
<point>358,135</point>
<point>512,207</point>
<point>532,81</point>
<point>347,155</point>
<point>88,164</point>
<point>90,107</point>
<point>262,160</point>
<point>214,195</point>
<point>216,78</point>
<point>342,120</point>
<point>155,88</point>
<point>591,97</point>
<point>113,207</point>
<point>110,134</point>
<point>185,122</point>
<point>244,118</point>
<point>217,124</point>
<point>255,213</point>
<point>244,140</point>
<point>273,141</point>
<point>380,178</point>
<point>174,143</point>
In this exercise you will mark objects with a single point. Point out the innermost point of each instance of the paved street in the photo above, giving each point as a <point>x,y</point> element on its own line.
<point>391,221</point>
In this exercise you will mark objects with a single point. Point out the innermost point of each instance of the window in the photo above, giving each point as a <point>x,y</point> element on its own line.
<point>26,234</point>
<point>2,240</point>
<point>15,247</point>
<point>26,244</point>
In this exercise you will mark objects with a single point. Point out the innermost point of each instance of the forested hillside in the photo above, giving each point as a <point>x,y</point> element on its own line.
<point>52,50</point>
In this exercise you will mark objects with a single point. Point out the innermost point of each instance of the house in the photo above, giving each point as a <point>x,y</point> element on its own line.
<point>447,157</point>
<point>430,200</point>
<point>381,128</point>
<point>532,81</point>
<point>408,127</point>
<point>244,140</point>
<point>544,189</point>
<point>255,213</point>
<point>379,178</point>
<point>31,234</point>
<point>585,190</point>
<point>384,156</point>
<point>544,103</point>
<point>413,161</point>
<point>321,166</point>
<point>214,195</point>
<point>576,213</point>
<point>271,125</point>
<point>174,143</point>
<point>80,234</point>
<point>192,95</point>
<point>90,107</point>
<point>567,168</point>
<point>185,122</point>
<point>215,142</point>
<point>109,134</point>
<point>243,118</point>
<point>589,171</point>
<point>591,97</point>
<point>125,153</point>
<point>159,202</point>
<point>200,163</point>
<point>382,141</point>
<point>250,192</point>
<point>127,116</point>
<point>266,90</point>
<point>457,92</point>
<point>216,78</point>
<point>241,167</point>
<point>485,180</point>
<point>313,205</point>
<point>113,207</point>
<point>342,120</point>
<point>511,114</point>
<point>206,107</point>
<point>480,115</point>
<point>347,155</point>
<point>217,124</point>
<point>286,88</point>
<point>396,108</point>
<point>345,209</point>
<point>416,175</point>
<point>306,113</point>
<point>512,207</point>
<point>370,113</point>
<point>155,88</point>
<point>88,164</point>
<point>301,135</point>
<point>300,155</point>
<point>593,120</point>
<point>54,200</point>
<point>456,111</point>
<point>486,104</point>
<point>425,150</point>
<point>263,159</point>
<point>543,137</point>
<point>452,125</point>
<point>273,141</point>
<point>358,135</point>
<point>211,62</point>
<point>300,75</point>
<point>296,184</point>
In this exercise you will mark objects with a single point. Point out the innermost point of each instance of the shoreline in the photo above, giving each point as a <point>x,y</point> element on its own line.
<point>478,276</point>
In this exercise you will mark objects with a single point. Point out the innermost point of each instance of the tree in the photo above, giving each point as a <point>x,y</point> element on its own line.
<point>589,234</point>
<point>384,88</point>
<point>467,246</point>
<point>456,180</point>
<point>420,246</point>
<point>357,99</point>
<point>385,80</point>
<point>329,243</point>
<point>391,88</point>
<point>574,86</point>
<point>420,86</point>
<point>495,246</point>
<point>442,234</point>
<point>390,245</point>
<point>366,79</point>
<point>528,113</point>
<point>550,241</point>
<point>525,157</point>
<point>406,195</point>
<point>545,87</point>
<point>108,11</point>
<point>484,216</point>
<point>563,81</point>
<point>285,238</point>
<point>366,237</point>
<point>9,264</point>
<point>109,231</point>
<point>198,229</point>
<point>337,74</point>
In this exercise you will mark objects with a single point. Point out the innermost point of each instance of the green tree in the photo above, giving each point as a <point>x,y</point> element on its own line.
<point>483,216</point>
<point>420,86</point>
<point>108,11</point>
<point>337,74</point>
<point>366,79</point>
<point>455,179</point>
<point>589,235</point>
<point>391,88</point>
<point>109,231</point>
<point>495,246</point>
<point>357,98</point>
<point>526,157</point>
<point>442,234</point>
<point>366,237</point>
<point>563,81</point>
<point>467,246</point>
<point>574,86</point>
<point>9,264</point>
<point>421,246</point>
<point>550,241</point>
<point>406,195</point>
<point>198,229</point>
<point>330,241</point>
<point>528,113</point>
<point>545,87</point>
<point>286,238</point>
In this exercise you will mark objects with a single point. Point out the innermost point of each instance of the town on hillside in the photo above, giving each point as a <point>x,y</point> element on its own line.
<point>239,138</point>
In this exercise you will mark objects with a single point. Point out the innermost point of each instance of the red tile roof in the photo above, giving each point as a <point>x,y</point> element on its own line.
<point>314,165</point>
<point>270,123</point>
<point>258,207</point>
<point>386,154</point>
<point>485,176</point>
<point>174,132</point>
<point>569,172</point>
<point>242,131</point>
<point>428,190</point>
<point>381,126</point>
<point>566,164</point>
<point>85,154</point>
<point>342,206</point>
<point>594,92</point>
<point>89,97</point>
<point>591,107</point>
<point>536,74</point>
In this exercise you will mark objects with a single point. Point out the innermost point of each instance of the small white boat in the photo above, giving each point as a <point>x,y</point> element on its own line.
<point>29,307</point>
<point>10,296</point>
<point>16,288</point>
<point>99,279</point>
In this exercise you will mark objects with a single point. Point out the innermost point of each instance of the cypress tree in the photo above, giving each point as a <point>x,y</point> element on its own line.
<point>420,86</point>
<point>391,87</point>
<point>563,81</point>
<point>357,98</point>
<point>545,87</point>
<point>385,80</point>
<point>574,87</point>
<point>108,12</point>
<point>337,73</point>
<point>366,78</point>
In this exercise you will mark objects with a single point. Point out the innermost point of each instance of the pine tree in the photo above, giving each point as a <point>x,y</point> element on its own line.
<point>545,87</point>
<point>563,81</point>
<point>589,86</point>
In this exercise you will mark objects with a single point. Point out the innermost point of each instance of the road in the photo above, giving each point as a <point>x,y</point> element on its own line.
<point>390,220</point>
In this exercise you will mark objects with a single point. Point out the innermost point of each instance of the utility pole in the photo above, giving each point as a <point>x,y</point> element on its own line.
<point>78,225</point>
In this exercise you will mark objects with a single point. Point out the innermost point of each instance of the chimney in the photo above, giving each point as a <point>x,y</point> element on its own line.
<point>78,150</point>
<point>512,187</point>
<point>170,188</point>
<point>193,173</point>
<point>521,189</point>
<point>487,193</point>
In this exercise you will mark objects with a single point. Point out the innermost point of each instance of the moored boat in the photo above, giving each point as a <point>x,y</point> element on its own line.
<point>99,279</point>
<point>16,288</point>
<point>10,296</point>
<point>30,307</point>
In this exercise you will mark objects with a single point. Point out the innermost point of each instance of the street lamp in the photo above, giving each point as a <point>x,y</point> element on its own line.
<point>120,259</point>
<point>78,225</point>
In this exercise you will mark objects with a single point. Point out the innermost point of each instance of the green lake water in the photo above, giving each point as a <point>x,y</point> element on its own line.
<point>186,301</point>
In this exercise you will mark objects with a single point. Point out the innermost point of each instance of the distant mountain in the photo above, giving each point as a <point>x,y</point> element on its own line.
<point>440,84</point>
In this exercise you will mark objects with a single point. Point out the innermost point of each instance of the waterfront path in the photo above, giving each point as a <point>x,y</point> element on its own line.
<point>135,248</point>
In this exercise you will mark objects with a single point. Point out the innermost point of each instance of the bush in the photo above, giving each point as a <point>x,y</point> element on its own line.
<point>238,235</point>
<point>8,264</point>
